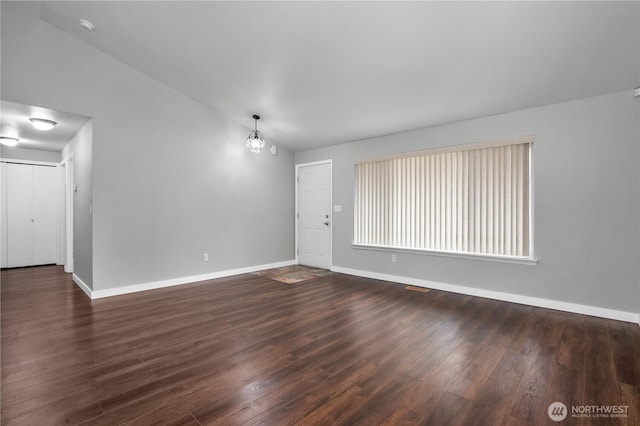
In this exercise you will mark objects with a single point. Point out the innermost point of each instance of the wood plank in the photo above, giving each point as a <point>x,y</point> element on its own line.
<point>337,350</point>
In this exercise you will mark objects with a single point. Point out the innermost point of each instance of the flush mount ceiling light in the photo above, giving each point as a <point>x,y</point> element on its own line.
<point>255,141</point>
<point>7,141</point>
<point>87,25</point>
<point>42,123</point>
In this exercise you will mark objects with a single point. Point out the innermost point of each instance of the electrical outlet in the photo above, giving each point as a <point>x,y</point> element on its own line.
<point>394,258</point>
<point>205,257</point>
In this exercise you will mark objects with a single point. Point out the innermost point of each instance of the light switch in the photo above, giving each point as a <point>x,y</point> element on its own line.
<point>337,208</point>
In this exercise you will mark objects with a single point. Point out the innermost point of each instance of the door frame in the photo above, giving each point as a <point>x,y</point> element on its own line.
<point>296,215</point>
<point>67,164</point>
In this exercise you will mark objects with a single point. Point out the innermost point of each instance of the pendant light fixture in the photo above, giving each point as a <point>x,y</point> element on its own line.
<point>255,141</point>
<point>42,123</point>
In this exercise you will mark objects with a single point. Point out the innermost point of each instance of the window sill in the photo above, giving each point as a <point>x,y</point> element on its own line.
<point>455,254</point>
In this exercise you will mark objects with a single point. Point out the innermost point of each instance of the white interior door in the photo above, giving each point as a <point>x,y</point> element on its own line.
<point>3,215</point>
<point>314,215</point>
<point>29,201</point>
<point>19,215</point>
<point>45,205</point>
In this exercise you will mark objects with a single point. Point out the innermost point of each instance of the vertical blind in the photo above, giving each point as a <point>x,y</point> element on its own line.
<point>474,201</point>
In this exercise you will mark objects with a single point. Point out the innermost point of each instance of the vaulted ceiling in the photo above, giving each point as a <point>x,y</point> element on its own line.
<point>322,73</point>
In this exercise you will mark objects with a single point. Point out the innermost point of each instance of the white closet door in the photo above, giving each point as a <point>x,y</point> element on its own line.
<point>3,215</point>
<point>45,190</point>
<point>29,197</point>
<point>20,247</point>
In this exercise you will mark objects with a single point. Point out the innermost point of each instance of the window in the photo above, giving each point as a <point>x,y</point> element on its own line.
<point>466,199</point>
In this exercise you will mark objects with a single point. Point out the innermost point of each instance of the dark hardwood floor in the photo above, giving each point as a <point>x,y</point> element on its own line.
<point>333,350</point>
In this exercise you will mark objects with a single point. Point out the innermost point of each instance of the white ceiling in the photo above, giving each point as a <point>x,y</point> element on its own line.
<point>14,122</point>
<point>322,73</point>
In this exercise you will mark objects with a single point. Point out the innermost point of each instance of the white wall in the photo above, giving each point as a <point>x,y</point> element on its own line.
<point>586,168</point>
<point>16,153</point>
<point>171,179</point>
<point>80,150</point>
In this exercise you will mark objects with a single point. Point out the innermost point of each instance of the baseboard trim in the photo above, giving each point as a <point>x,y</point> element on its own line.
<point>83,286</point>
<point>134,288</point>
<point>496,295</point>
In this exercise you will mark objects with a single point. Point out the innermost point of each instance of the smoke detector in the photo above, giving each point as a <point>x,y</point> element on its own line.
<point>87,25</point>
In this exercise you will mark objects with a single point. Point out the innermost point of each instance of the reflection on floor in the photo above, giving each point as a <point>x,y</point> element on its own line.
<point>418,289</point>
<point>293,274</point>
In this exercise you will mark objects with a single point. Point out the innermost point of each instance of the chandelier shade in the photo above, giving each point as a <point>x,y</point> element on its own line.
<point>255,140</point>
